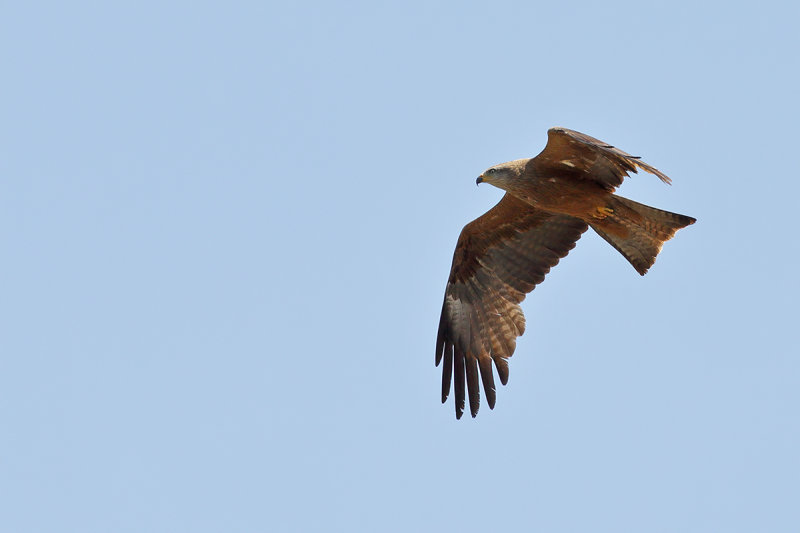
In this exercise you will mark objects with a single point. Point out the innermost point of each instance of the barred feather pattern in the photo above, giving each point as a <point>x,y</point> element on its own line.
<point>500,258</point>
<point>639,231</point>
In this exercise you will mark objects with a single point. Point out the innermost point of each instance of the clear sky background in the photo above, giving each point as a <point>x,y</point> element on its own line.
<point>226,230</point>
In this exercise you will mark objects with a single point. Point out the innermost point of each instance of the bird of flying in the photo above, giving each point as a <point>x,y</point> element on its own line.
<point>500,257</point>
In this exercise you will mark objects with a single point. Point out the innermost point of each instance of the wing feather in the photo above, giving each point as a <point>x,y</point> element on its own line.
<point>488,380</point>
<point>499,258</point>
<point>573,153</point>
<point>447,370</point>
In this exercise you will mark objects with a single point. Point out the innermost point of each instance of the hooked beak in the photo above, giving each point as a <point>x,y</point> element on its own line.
<point>479,180</point>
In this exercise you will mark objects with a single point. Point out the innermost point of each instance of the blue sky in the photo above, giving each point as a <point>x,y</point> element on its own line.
<point>227,227</point>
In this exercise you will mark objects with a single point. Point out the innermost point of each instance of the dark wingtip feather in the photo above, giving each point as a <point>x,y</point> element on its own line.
<point>440,340</point>
<point>447,370</point>
<point>473,386</point>
<point>653,170</point>
<point>488,381</point>
<point>459,381</point>
<point>502,369</point>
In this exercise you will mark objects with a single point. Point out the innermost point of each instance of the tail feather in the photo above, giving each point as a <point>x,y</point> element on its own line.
<point>638,231</point>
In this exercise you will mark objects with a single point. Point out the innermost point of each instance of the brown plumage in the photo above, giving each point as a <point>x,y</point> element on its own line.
<point>501,256</point>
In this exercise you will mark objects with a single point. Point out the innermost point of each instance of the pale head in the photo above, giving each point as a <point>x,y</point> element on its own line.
<point>504,175</point>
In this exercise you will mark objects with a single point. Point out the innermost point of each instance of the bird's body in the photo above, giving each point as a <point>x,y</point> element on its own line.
<point>559,194</point>
<point>550,201</point>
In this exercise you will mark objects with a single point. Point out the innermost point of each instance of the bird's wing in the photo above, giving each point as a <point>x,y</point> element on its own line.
<point>499,258</point>
<point>576,154</point>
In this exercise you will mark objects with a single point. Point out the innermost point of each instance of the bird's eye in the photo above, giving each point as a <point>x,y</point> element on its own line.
<point>492,170</point>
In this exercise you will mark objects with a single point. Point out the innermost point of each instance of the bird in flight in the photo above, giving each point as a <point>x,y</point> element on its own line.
<point>550,201</point>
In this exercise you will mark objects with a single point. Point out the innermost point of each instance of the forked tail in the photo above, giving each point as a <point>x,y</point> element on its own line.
<point>638,231</point>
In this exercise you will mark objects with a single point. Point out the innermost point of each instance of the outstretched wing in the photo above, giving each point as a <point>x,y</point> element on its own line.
<point>499,258</point>
<point>576,154</point>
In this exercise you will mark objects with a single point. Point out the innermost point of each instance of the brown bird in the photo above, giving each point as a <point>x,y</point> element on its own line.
<point>550,201</point>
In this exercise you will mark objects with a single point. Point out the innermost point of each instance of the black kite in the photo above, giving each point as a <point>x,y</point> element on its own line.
<point>550,201</point>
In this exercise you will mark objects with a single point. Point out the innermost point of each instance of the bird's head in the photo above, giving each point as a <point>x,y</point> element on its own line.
<point>504,175</point>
